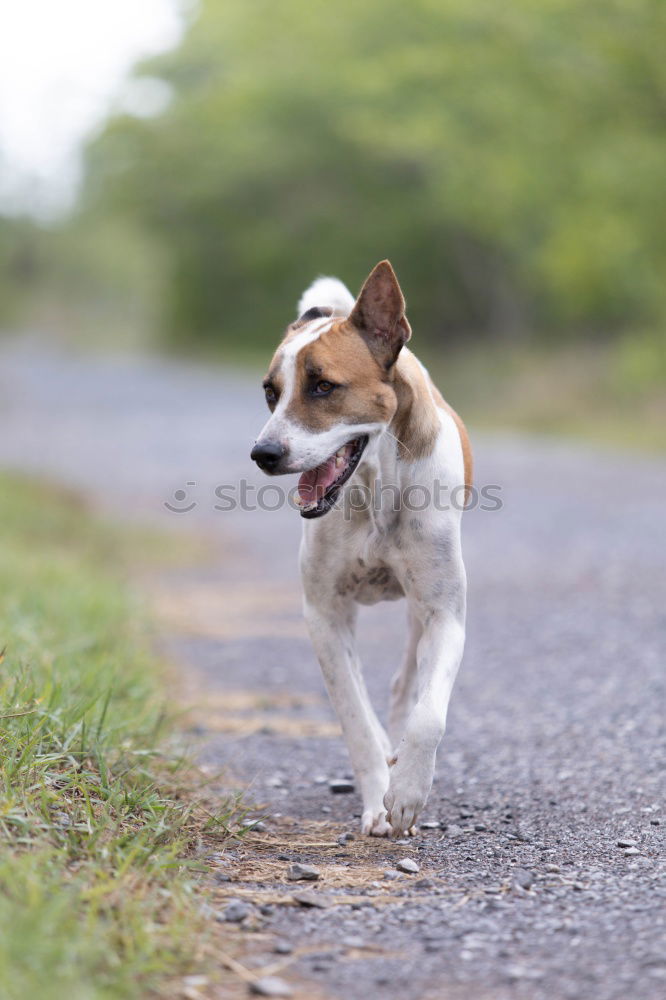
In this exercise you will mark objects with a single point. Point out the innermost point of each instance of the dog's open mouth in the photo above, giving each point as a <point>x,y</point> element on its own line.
<point>318,488</point>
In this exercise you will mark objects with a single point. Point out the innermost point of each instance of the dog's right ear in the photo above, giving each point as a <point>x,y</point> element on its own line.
<point>379,315</point>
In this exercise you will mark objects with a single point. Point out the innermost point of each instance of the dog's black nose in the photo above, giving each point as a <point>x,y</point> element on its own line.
<point>267,455</point>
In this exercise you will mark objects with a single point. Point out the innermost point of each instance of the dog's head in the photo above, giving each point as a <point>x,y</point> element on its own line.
<point>330,389</point>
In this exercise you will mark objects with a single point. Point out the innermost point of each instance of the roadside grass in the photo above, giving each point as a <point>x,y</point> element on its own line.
<point>98,898</point>
<point>612,395</point>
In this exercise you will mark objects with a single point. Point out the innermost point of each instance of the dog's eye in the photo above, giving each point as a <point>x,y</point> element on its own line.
<point>323,387</point>
<point>271,394</point>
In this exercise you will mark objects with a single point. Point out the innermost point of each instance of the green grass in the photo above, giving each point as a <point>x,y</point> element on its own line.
<point>96,898</point>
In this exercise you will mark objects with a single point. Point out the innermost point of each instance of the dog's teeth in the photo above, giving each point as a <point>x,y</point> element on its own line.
<point>339,461</point>
<point>340,453</point>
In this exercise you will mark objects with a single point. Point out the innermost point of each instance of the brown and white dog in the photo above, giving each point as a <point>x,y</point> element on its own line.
<point>348,399</point>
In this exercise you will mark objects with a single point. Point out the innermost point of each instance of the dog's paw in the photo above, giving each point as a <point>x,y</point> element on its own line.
<point>375,824</point>
<point>407,793</point>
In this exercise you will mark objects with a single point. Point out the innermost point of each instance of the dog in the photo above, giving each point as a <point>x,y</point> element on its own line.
<point>353,408</point>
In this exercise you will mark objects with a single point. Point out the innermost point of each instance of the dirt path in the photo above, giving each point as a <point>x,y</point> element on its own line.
<point>555,746</point>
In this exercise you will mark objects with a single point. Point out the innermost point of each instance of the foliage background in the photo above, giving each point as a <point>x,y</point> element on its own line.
<point>508,159</point>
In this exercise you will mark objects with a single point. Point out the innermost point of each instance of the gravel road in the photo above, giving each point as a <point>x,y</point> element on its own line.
<point>541,869</point>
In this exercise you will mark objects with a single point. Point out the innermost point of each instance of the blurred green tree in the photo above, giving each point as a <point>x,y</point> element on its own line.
<point>508,158</point>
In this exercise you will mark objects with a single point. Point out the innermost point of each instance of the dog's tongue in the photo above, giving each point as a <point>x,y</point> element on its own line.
<point>313,484</point>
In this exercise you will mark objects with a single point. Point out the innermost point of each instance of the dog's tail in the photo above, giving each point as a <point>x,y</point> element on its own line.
<point>327,292</point>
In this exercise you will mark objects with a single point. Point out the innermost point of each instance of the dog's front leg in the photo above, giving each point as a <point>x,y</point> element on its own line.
<point>331,626</point>
<point>439,653</point>
<point>403,684</point>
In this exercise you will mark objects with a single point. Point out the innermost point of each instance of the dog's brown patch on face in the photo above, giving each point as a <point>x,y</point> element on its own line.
<point>362,392</point>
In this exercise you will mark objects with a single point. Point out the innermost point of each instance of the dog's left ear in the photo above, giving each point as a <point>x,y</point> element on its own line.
<point>379,315</point>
